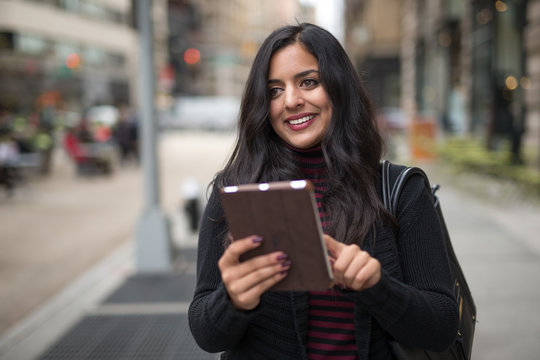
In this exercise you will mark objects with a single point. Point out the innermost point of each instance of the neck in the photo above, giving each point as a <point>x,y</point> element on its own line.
<point>310,161</point>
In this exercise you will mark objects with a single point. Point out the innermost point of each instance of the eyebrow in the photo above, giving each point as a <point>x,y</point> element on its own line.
<point>299,75</point>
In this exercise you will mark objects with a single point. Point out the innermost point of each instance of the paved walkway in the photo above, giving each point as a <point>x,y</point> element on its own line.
<point>494,230</point>
<point>496,239</point>
<point>66,241</point>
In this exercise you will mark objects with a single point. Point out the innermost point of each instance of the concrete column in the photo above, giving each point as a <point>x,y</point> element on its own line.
<point>153,252</point>
<point>532,94</point>
<point>408,55</point>
<point>466,62</point>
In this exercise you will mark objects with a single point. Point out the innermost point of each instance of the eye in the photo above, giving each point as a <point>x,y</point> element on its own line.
<point>309,82</point>
<point>275,91</point>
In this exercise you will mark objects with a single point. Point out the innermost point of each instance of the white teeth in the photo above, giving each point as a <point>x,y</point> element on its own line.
<point>301,120</point>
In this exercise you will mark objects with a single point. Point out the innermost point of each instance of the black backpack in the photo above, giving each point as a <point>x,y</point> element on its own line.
<point>462,347</point>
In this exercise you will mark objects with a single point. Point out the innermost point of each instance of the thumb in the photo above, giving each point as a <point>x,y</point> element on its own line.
<point>333,246</point>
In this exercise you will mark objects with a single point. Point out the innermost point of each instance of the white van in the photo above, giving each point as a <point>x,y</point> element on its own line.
<point>203,113</point>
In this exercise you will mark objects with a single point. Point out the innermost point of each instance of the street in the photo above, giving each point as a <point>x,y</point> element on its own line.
<point>496,240</point>
<point>53,230</point>
<point>56,228</point>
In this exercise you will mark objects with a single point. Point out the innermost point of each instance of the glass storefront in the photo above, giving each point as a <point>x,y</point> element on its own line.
<point>32,65</point>
<point>498,71</point>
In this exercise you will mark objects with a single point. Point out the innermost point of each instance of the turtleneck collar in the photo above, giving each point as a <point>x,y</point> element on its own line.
<point>315,150</point>
<point>310,161</point>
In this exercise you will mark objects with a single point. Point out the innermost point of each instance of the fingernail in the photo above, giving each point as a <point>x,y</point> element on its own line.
<point>281,257</point>
<point>286,263</point>
<point>257,239</point>
<point>284,272</point>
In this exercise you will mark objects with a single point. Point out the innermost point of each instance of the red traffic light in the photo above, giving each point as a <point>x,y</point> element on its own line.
<point>72,61</point>
<point>192,56</point>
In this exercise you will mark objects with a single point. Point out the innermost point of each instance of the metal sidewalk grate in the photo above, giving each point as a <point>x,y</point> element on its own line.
<point>155,337</point>
<point>155,288</point>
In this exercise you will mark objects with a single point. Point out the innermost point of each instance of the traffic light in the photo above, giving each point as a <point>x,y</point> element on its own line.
<point>73,61</point>
<point>192,56</point>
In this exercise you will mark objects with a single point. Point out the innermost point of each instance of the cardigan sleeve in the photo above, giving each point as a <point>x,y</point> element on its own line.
<point>214,322</point>
<point>421,309</point>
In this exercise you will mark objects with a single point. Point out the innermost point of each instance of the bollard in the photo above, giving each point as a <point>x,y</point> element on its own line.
<point>191,197</point>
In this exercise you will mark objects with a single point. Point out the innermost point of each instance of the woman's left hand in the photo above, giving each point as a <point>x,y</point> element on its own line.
<point>353,268</point>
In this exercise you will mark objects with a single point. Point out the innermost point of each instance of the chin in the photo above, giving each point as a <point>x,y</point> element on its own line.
<point>302,144</point>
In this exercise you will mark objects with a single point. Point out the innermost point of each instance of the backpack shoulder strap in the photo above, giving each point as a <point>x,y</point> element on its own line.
<point>385,181</point>
<point>392,191</point>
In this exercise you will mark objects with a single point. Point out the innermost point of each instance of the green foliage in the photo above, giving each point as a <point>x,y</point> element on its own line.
<point>471,155</point>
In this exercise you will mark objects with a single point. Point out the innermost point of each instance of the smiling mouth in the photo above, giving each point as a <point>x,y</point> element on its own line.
<point>301,120</point>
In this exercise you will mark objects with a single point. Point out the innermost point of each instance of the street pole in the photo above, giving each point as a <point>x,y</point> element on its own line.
<point>153,246</point>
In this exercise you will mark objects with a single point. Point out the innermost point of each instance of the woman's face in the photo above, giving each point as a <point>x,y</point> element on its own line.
<point>300,109</point>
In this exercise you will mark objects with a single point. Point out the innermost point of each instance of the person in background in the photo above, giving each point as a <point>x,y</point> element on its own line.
<point>305,114</point>
<point>88,157</point>
<point>126,135</point>
<point>9,156</point>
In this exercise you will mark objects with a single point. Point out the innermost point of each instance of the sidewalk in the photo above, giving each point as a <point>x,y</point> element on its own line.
<point>113,313</point>
<point>100,310</point>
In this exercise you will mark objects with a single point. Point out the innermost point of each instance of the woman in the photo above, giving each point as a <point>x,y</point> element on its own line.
<point>305,114</point>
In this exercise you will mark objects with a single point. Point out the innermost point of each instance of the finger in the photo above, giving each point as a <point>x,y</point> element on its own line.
<point>333,246</point>
<point>359,260</point>
<point>238,247</point>
<point>249,299</point>
<point>368,276</point>
<point>261,275</point>
<point>235,271</point>
<point>344,261</point>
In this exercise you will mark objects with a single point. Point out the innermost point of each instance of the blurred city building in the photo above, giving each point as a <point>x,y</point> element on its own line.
<point>212,43</point>
<point>67,66</point>
<point>373,41</point>
<point>73,54</point>
<point>470,67</point>
<point>82,53</point>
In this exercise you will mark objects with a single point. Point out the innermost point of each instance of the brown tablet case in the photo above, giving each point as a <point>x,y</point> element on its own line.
<point>285,215</point>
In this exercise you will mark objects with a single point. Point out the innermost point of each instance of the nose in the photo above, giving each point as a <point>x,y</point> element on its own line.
<point>293,98</point>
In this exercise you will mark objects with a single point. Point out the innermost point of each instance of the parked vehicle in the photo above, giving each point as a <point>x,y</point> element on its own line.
<point>103,114</point>
<point>202,113</point>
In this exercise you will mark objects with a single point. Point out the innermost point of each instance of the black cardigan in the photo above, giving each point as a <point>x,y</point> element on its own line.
<point>412,303</point>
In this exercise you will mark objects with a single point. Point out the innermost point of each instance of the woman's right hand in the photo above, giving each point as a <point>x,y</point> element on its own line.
<point>246,281</point>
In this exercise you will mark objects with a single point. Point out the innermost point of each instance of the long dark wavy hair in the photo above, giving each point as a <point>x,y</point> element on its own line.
<point>352,146</point>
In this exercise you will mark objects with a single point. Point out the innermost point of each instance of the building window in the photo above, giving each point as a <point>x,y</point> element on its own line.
<point>6,40</point>
<point>87,9</point>
<point>29,44</point>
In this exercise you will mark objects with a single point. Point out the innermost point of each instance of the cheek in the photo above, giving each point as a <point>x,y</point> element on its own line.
<point>325,102</point>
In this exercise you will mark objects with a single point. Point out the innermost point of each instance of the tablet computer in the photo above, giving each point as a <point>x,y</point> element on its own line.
<point>285,215</point>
